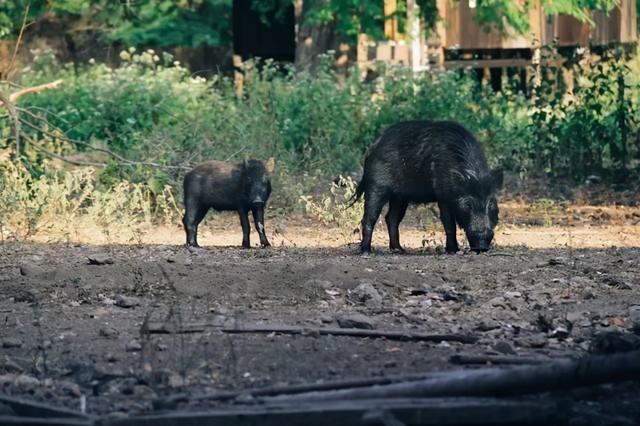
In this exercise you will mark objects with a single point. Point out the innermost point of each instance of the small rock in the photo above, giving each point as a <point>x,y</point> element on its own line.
<point>70,388</point>
<point>504,347</point>
<point>614,341</point>
<point>326,319</point>
<point>574,317</point>
<point>143,391</point>
<point>534,342</point>
<point>9,366</point>
<point>559,328</point>
<point>588,294</point>
<point>25,381</point>
<point>219,310</point>
<point>367,294</point>
<point>126,301</point>
<point>616,282</point>
<point>498,302</point>
<point>176,381</point>
<point>512,294</point>
<point>355,321</point>
<point>30,270</point>
<point>45,344</point>
<point>280,228</point>
<point>109,357</point>
<point>100,259</point>
<point>487,325</point>
<point>318,283</point>
<point>11,342</point>
<point>133,346</point>
<point>108,332</point>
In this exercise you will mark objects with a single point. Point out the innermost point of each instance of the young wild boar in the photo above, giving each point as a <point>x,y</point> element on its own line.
<point>430,161</point>
<point>226,186</point>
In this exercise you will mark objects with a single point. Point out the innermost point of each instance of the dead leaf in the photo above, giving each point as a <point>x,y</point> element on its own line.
<point>393,349</point>
<point>617,321</point>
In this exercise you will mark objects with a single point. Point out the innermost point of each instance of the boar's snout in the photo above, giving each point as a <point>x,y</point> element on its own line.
<point>480,242</point>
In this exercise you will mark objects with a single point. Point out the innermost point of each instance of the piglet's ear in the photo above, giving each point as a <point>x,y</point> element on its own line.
<point>497,176</point>
<point>270,165</point>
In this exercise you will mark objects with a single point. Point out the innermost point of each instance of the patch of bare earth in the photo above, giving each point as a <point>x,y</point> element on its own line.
<point>84,320</point>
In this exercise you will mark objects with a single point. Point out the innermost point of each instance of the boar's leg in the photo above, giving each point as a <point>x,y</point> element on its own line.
<point>397,209</point>
<point>246,229</point>
<point>258,217</point>
<point>374,200</point>
<point>193,215</point>
<point>448,218</point>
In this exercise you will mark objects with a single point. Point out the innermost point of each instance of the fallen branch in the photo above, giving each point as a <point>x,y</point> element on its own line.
<point>452,411</point>
<point>557,375</point>
<point>35,89</point>
<point>171,401</point>
<point>19,40</point>
<point>166,328</point>
<point>356,332</point>
<point>496,359</point>
<point>14,117</point>
<point>37,146</point>
<point>122,160</point>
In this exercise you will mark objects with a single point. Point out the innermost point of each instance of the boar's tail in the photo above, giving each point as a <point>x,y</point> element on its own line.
<point>358,194</point>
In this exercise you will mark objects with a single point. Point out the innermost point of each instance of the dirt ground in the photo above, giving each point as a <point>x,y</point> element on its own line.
<point>75,317</point>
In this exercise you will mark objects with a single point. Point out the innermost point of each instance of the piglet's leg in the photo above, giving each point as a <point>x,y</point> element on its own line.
<point>192,217</point>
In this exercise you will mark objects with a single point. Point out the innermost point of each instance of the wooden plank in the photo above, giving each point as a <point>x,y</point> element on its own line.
<point>452,411</point>
<point>413,25</point>
<point>390,19</point>
<point>628,31</point>
<point>362,52</point>
<point>463,31</point>
<point>498,63</point>
<point>459,29</point>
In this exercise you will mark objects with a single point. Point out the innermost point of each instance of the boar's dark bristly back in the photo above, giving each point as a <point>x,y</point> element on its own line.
<point>423,162</point>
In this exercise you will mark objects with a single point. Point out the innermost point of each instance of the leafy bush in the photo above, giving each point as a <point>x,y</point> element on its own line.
<point>151,109</point>
<point>335,208</point>
<point>62,201</point>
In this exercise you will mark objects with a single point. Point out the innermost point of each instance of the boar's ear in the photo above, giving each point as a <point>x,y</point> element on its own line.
<point>270,165</point>
<point>245,164</point>
<point>497,176</point>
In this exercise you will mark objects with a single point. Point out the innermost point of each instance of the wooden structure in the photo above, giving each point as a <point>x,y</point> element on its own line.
<point>460,42</point>
<point>459,29</point>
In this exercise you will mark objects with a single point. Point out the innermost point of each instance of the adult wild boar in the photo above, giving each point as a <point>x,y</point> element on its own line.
<point>430,161</point>
<point>226,186</point>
